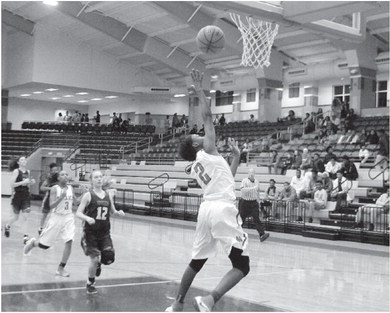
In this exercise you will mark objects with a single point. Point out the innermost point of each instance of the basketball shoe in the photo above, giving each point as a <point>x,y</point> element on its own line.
<point>201,305</point>
<point>61,272</point>
<point>28,246</point>
<point>175,307</point>
<point>91,289</point>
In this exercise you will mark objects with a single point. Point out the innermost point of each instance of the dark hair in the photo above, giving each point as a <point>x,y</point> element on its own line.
<point>345,157</point>
<point>13,164</point>
<point>186,150</point>
<point>340,171</point>
<point>52,165</point>
<point>273,180</point>
<point>327,148</point>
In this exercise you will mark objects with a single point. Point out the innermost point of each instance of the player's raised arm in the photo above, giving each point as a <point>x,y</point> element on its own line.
<point>209,139</point>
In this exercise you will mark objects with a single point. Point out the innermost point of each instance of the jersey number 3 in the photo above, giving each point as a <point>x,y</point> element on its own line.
<point>199,169</point>
<point>101,213</point>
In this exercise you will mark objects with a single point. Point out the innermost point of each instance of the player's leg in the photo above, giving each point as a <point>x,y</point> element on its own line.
<point>16,203</point>
<point>45,213</point>
<point>91,284</point>
<point>89,244</point>
<point>107,255</point>
<point>226,228</point>
<point>67,232</point>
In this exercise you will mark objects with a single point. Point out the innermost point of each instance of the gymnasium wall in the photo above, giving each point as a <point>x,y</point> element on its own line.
<point>20,110</point>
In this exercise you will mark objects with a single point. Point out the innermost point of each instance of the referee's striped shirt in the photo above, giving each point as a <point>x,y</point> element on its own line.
<point>249,190</point>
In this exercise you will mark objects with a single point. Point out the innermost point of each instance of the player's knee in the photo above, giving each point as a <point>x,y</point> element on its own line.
<point>43,246</point>
<point>197,265</point>
<point>239,261</point>
<point>107,256</point>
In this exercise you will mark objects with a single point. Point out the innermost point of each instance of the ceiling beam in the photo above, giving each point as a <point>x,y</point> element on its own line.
<point>377,17</point>
<point>303,44</point>
<point>137,40</point>
<point>380,30</point>
<point>17,22</point>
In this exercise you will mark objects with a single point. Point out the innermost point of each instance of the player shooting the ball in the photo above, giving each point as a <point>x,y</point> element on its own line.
<point>218,218</point>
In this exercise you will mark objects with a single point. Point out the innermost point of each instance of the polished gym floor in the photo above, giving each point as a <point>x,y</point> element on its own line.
<point>288,272</point>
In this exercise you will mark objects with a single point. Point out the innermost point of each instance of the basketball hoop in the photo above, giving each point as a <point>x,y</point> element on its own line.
<point>258,37</point>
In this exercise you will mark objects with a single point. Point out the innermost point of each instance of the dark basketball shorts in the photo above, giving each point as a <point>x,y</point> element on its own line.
<point>92,244</point>
<point>20,202</point>
<point>46,204</point>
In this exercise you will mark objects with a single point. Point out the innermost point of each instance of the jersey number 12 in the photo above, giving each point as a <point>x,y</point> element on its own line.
<point>101,213</point>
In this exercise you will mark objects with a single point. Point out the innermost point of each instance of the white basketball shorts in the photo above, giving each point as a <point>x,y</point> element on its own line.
<point>58,226</point>
<point>218,221</point>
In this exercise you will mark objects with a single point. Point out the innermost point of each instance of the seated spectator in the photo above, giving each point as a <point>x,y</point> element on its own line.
<point>252,119</point>
<point>340,190</point>
<point>309,188</point>
<point>321,135</point>
<point>222,120</point>
<point>372,138</point>
<point>349,169</point>
<point>333,138</point>
<point>269,196</point>
<point>320,200</point>
<point>327,183</point>
<point>318,163</point>
<point>246,148</point>
<point>297,160</point>
<point>201,131</point>
<point>288,193</point>
<point>332,167</point>
<point>216,120</point>
<point>382,156</point>
<point>287,163</point>
<point>326,122</point>
<point>364,154</point>
<point>329,154</point>
<point>306,160</point>
<point>194,129</point>
<point>274,161</point>
<point>324,140</point>
<point>221,143</point>
<point>308,124</point>
<point>370,213</point>
<point>363,136</point>
<point>298,182</point>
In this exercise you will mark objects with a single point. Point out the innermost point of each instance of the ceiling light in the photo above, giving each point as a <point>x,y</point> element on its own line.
<point>50,2</point>
<point>110,97</point>
<point>212,91</point>
<point>96,99</point>
<point>55,98</point>
<point>82,93</point>
<point>37,92</point>
<point>214,76</point>
<point>82,101</point>
<point>68,96</point>
<point>179,95</point>
<point>51,89</point>
<point>236,94</point>
<point>25,95</point>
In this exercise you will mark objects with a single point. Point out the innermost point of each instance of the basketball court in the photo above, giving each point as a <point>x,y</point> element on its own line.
<point>288,272</point>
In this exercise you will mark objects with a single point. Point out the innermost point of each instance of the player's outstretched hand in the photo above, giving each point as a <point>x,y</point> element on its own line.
<point>120,212</point>
<point>197,79</point>
<point>233,145</point>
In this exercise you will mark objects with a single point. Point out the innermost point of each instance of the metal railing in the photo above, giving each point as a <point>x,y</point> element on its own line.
<point>135,146</point>
<point>383,170</point>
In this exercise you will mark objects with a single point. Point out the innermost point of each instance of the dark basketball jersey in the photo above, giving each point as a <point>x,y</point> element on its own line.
<point>22,176</point>
<point>98,209</point>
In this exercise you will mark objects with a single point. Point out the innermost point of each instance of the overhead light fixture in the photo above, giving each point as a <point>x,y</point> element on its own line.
<point>214,76</point>
<point>25,95</point>
<point>50,2</point>
<point>96,99</point>
<point>82,101</point>
<point>68,96</point>
<point>51,89</point>
<point>37,92</point>
<point>55,98</point>
<point>110,97</point>
<point>82,93</point>
<point>236,94</point>
<point>212,91</point>
<point>179,95</point>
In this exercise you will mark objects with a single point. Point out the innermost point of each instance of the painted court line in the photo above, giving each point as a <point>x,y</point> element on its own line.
<point>131,284</point>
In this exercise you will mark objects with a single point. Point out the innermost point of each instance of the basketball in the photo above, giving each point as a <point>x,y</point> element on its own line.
<point>210,39</point>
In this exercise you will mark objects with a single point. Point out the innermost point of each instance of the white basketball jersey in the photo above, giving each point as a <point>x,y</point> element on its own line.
<point>213,174</point>
<point>66,204</point>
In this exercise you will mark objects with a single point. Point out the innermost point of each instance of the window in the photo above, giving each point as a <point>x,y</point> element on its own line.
<point>223,98</point>
<point>342,92</point>
<point>381,94</point>
<point>251,95</point>
<point>293,90</point>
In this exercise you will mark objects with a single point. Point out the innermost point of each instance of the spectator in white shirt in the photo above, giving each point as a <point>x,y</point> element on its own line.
<point>341,188</point>
<point>332,167</point>
<point>364,154</point>
<point>298,182</point>
<point>320,200</point>
<point>369,213</point>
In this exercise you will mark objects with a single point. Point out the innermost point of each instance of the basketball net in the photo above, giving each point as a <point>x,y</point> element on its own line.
<point>258,37</point>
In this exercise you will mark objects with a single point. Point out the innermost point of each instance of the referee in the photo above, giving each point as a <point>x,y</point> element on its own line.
<point>249,202</point>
